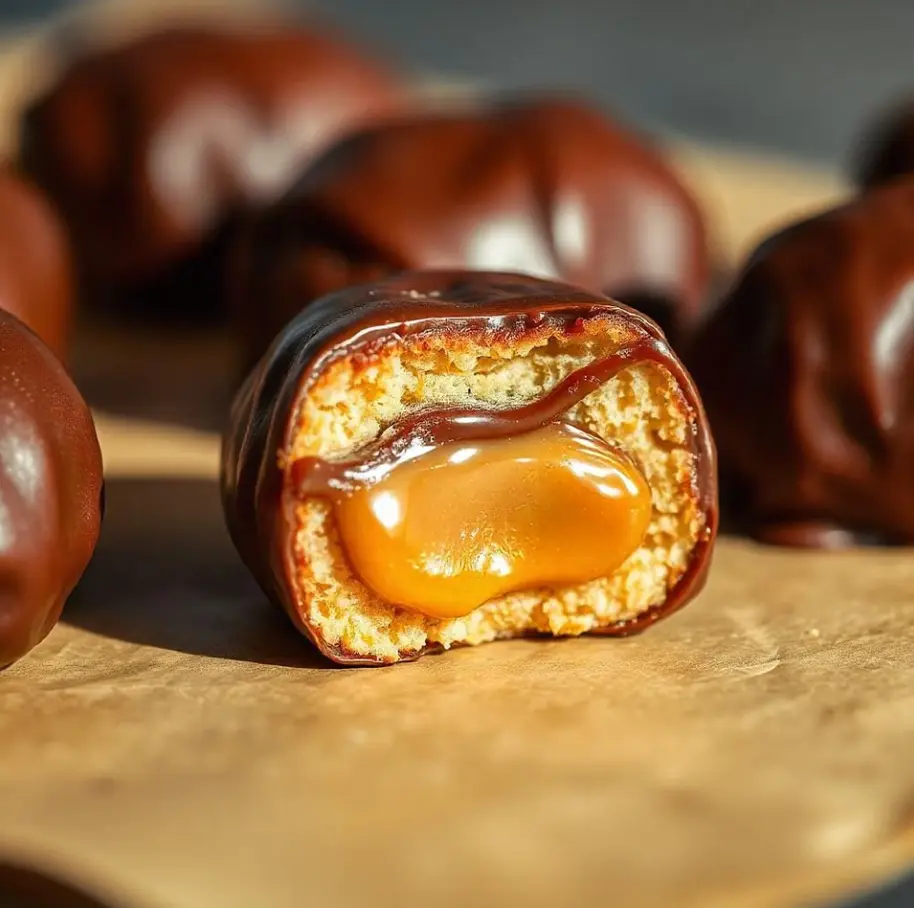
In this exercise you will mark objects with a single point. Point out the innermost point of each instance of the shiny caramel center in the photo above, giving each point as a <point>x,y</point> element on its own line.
<point>459,524</point>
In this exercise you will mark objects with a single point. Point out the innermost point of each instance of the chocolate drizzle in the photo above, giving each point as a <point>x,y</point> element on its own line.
<point>263,486</point>
<point>426,429</point>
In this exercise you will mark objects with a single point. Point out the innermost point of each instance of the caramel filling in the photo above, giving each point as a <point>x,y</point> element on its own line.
<point>452,525</point>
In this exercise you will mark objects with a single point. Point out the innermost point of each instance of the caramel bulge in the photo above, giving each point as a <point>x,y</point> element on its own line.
<point>462,523</point>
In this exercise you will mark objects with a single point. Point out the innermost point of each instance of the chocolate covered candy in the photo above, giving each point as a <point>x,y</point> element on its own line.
<point>150,149</point>
<point>807,371</point>
<point>886,150</point>
<point>50,489</point>
<point>36,274</point>
<point>547,187</point>
<point>445,458</point>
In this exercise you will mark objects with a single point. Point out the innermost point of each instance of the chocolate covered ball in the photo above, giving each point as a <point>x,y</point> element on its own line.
<point>448,458</point>
<point>150,149</point>
<point>886,150</point>
<point>544,186</point>
<point>807,372</point>
<point>36,274</point>
<point>50,488</point>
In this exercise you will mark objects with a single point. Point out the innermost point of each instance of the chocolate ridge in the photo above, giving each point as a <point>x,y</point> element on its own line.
<point>258,496</point>
<point>448,425</point>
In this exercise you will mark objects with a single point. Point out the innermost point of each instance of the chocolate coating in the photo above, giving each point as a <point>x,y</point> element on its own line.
<point>807,372</point>
<point>50,489</point>
<point>886,150</point>
<point>258,497</point>
<point>547,187</point>
<point>150,149</point>
<point>36,274</point>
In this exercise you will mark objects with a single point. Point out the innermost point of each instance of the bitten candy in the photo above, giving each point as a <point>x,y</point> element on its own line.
<point>152,148</point>
<point>544,186</point>
<point>50,489</point>
<point>807,371</point>
<point>445,458</point>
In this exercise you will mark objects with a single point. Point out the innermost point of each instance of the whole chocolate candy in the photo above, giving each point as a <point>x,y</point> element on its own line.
<point>36,274</point>
<point>448,458</point>
<point>807,371</point>
<point>886,150</point>
<point>544,186</point>
<point>149,149</point>
<point>50,489</point>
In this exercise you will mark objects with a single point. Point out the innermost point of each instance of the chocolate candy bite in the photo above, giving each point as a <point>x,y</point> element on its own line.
<point>149,149</point>
<point>807,370</point>
<point>886,151</point>
<point>36,275</point>
<point>50,489</point>
<point>447,458</point>
<point>548,187</point>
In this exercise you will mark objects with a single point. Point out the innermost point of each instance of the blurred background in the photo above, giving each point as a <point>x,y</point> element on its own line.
<point>796,77</point>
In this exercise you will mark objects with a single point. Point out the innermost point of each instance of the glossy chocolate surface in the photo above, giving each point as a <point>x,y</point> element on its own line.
<point>547,187</point>
<point>36,273</point>
<point>314,476</point>
<point>807,373</point>
<point>886,150</point>
<point>50,489</point>
<point>257,497</point>
<point>151,149</point>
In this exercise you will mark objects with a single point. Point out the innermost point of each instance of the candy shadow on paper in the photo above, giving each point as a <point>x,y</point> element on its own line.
<point>165,574</point>
<point>26,887</point>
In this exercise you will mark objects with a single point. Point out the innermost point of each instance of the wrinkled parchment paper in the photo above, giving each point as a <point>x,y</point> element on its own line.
<point>174,743</point>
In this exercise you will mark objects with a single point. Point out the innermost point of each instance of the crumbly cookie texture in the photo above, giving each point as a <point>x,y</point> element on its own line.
<point>641,411</point>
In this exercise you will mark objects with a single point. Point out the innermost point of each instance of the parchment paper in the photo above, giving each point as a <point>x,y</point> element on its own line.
<point>174,743</point>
